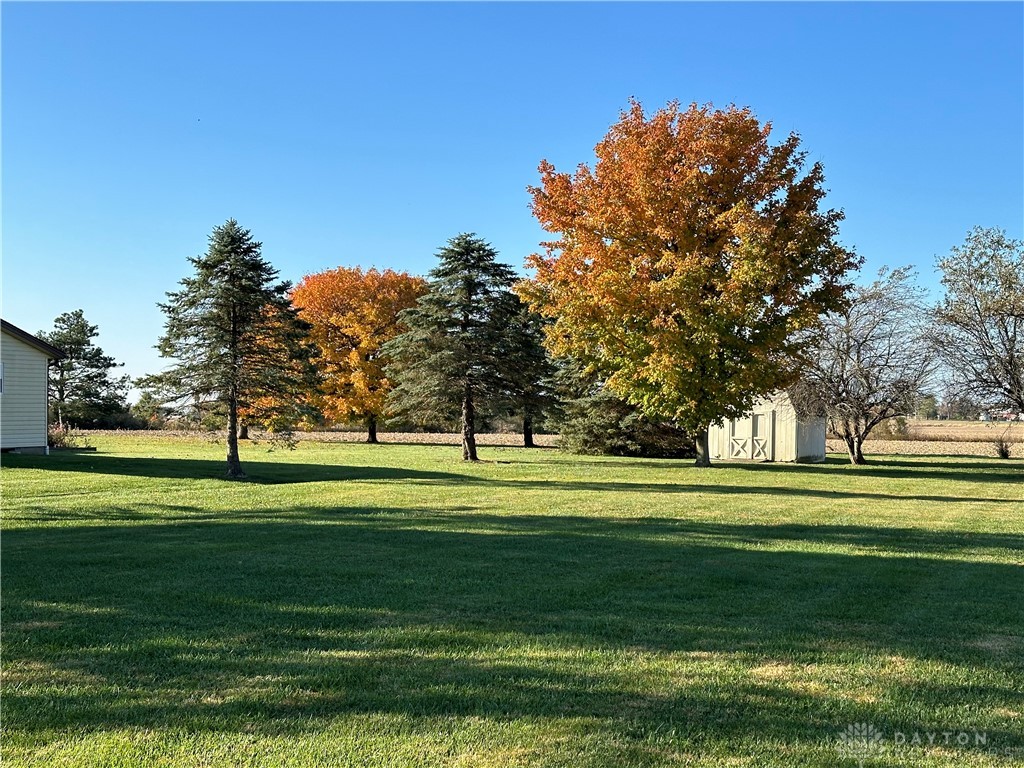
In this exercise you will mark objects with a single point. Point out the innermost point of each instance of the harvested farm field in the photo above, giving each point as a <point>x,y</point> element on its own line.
<point>941,438</point>
<point>872,447</point>
<point>497,439</point>
<point>964,431</point>
<point>506,439</point>
<point>924,438</point>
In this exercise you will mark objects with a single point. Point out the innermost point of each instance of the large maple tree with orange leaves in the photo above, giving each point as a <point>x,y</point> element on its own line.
<point>352,313</point>
<point>687,261</point>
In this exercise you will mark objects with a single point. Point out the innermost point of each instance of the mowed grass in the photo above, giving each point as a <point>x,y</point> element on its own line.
<point>391,605</point>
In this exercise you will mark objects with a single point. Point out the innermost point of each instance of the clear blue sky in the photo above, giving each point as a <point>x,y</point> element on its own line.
<point>368,134</point>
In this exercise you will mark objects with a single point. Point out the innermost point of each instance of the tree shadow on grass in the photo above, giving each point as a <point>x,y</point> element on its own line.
<point>949,468</point>
<point>278,473</point>
<point>143,512</point>
<point>258,472</point>
<point>917,541</point>
<point>281,627</point>
<point>513,443</point>
<point>721,489</point>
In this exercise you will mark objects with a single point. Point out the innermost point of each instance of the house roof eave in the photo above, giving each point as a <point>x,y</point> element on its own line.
<point>52,352</point>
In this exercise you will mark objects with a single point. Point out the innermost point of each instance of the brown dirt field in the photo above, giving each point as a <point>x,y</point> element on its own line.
<point>926,448</point>
<point>504,439</point>
<point>958,445</point>
<point>942,438</point>
<point>507,439</point>
<point>974,431</point>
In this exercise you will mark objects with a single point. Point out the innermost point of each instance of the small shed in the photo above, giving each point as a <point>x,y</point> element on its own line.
<point>772,431</point>
<point>24,362</point>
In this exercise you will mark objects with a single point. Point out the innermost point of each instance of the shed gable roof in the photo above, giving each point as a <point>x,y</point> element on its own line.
<point>47,349</point>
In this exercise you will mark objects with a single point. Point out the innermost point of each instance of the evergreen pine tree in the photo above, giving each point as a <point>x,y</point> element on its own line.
<point>234,336</point>
<point>450,361</point>
<point>528,370</point>
<point>594,421</point>
<point>81,388</point>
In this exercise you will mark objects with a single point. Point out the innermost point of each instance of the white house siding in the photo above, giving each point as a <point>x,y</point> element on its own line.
<point>23,402</point>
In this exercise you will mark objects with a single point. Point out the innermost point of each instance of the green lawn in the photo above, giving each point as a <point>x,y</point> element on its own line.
<point>391,605</point>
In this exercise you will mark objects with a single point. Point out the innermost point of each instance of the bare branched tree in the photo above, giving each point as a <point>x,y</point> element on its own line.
<point>980,322</point>
<point>870,362</point>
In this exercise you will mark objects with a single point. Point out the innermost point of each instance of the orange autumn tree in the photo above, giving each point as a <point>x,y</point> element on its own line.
<point>687,262</point>
<point>351,314</point>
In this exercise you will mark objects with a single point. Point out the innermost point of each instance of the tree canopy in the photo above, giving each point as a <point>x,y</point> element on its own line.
<point>233,336</point>
<point>981,318</point>
<point>686,260</point>
<point>352,314</point>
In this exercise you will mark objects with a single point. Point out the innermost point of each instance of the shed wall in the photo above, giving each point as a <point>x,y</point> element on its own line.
<point>792,439</point>
<point>811,439</point>
<point>785,433</point>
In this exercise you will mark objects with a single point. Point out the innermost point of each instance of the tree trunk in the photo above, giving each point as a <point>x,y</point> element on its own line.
<point>703,449</point>
<point>371,429</point>
<point>468,426</point>
<point>853,443</point>
<point>243,432</point>
<point>60,407</point>
<point>528,432</point>
<point>60,395</point>
<point>234,465</point>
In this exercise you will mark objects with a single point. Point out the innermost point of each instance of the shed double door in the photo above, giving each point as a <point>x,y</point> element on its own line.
<point>753,438</point>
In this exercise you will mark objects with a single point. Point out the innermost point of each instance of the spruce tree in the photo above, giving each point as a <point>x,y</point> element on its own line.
<point>451,361</point>
<point>528,371</point>
<point>593,420</point>
<point>233,334</point>
<point>81,388</point>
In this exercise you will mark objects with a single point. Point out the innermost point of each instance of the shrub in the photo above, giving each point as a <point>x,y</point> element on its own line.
<point>61,436</point>
<point>1002,444</point>
<point>120,420</point>
<point>897,428</point>
<point>1002,447</point>
<point>602,424</point>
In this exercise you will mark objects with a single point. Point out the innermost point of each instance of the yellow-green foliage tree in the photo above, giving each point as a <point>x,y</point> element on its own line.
<point>687,261</point>
<point>351,314</point>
